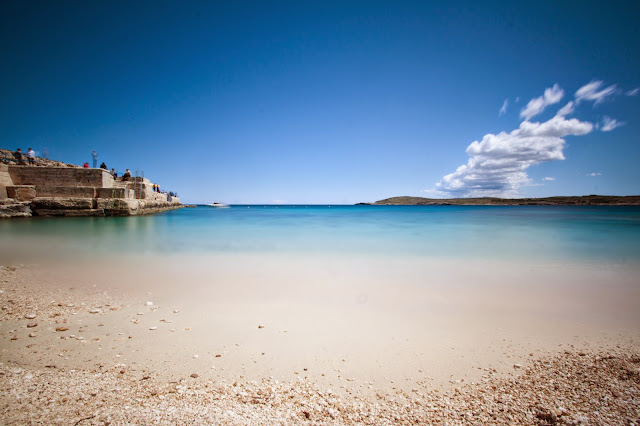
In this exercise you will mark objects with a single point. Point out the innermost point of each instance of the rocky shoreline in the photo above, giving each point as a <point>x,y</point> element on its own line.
<point>570,389</point>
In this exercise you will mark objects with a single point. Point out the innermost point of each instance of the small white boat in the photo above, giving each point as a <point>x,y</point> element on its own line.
<point>219,205</point>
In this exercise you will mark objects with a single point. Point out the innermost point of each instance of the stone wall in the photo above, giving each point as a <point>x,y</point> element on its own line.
<point>114,193</point>
<point>143,189</point>
<point>66,191</point>
<point>5,180</point>
<point>61,191</point>
<point>60,176</point>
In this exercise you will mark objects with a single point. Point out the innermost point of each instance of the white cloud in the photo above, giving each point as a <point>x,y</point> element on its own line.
<point>552,95</point>
<point>633,92</point>
<point>592,92</point>
<point>503,109</point>
<point>608,124</point>
<point>498,163</point>
<point>566,110</point>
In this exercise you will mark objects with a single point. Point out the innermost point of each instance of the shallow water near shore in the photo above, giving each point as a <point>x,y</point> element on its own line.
<point>509,233</point>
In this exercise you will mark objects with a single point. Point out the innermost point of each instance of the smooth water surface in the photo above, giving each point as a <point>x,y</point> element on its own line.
<point>608,234</point>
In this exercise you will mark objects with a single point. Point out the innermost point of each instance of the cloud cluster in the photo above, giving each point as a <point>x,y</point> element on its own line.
<point>498,163</point>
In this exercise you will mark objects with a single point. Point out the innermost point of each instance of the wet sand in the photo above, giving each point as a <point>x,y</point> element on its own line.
<point>361,329</point>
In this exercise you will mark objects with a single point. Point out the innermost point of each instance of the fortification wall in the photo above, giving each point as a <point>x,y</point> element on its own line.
<point>60,191</point>
<point>60,176</point>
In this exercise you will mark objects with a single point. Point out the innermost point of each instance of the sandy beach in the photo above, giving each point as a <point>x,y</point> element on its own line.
<point>319,212</point>
<point>271,339</point>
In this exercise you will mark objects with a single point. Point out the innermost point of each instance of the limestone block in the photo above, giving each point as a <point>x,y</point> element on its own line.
<point>21,192</point>
<point>107,179</point>
<point>117,204</point>
<point>140,179</point>
<point>113,193</point>
<point>142,190</point>
<point>8,210</point>
<point>66,191</point>
<point>156,196</point>
<point>61,203</point>
<point>60,176</point>
<point>69,212</point>
<point>5,180</point>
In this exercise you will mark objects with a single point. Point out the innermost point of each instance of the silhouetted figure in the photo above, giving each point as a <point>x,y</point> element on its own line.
<point>104,166</point>
<point>18,156</point>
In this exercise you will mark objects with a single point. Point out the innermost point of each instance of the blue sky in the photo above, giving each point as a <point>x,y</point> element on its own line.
<point>331,102</point>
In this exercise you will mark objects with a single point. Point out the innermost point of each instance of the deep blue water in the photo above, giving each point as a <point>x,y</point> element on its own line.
<point>608,234</point>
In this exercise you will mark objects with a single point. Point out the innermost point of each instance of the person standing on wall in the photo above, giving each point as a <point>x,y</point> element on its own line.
<point>17,155</point>
<point>94,154</point>
<point>31,157</point>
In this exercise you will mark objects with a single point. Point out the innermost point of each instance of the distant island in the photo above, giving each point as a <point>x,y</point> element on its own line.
<point>586,200</point>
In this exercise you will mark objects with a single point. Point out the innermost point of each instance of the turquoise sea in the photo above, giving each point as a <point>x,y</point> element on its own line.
<point>536,233</point>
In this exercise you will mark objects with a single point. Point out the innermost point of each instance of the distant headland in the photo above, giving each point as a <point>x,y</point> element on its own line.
<point>34,186</point>
<point>586,200</point>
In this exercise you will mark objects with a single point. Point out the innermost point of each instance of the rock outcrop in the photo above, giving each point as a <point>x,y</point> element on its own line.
<point>10,208</point>
<point>74,191</point>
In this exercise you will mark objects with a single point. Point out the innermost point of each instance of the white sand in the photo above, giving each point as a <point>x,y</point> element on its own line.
<point>285,339</point>
<point>368,323</point>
